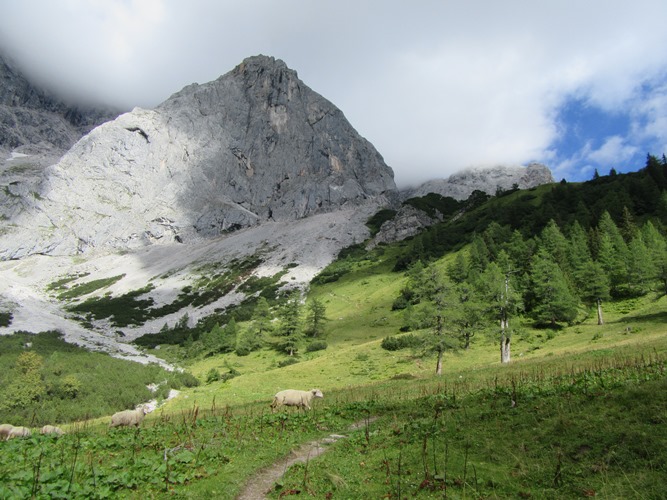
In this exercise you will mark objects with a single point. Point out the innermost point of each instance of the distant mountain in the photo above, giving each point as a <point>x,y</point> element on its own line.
<point>34,118</point>
<point>461,184</point>
<point>254,145</point>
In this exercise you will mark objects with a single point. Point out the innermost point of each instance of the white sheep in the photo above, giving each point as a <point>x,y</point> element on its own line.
<point>18,432</point>
<point>294,397</point>
<point>4,431</point>
<point>128,417</point>
<point>52,429</point>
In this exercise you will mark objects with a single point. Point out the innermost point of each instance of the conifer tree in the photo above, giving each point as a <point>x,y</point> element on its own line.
<point>458,270</point>
<point>290,325</point>
<point>641,268</point>
<point>594,286</point>
<point>467,315</point>
<point>315,318</point>
<point>612,253</point>
<point>578,254</point>
<point>553,299</point>
<point>553,241</point>
<point>657,249</point>
<point>497,289</point>
<point>436,300</point>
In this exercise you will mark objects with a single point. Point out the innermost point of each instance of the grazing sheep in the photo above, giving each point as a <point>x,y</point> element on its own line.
<point>18,432</point>
<point>128,417</point>
<point>52,429</point>
<point>293,397</point>
<point>4,431</point>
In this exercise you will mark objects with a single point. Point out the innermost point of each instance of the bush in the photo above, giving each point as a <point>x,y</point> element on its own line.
<point>394,343</point>
<point>287,362</point>
<point>317,345</point>
<point>6,319</point>
<point>183,379</point>
<point>213,375</point>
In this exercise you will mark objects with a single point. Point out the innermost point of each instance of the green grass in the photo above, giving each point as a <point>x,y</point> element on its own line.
<point>81,289</point>
<point>71,383</point>
<point>597,433</point>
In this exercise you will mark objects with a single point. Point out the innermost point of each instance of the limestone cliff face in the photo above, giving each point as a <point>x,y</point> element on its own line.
<point>254,145</point>
<point>34,118</point>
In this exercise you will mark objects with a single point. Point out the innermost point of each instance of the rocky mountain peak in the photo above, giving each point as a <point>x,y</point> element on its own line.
<point>489,180</point>
<point>31,115</point>
<point>256,144</point>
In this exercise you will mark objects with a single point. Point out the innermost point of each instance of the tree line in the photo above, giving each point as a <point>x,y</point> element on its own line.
<point>552,278</point>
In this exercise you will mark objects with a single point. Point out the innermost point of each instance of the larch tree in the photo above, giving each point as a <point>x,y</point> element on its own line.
<point>594,286</point>
<point>290,325</point>
<point>435,293</point>
<point>612,253</point>
<point>657,249</point>
<point>641,268</point>
<point>553,299</point>
<point>497,290</point>
<point>315,318</point>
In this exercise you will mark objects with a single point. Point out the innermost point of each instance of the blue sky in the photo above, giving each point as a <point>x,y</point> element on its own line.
<point>437,86</point>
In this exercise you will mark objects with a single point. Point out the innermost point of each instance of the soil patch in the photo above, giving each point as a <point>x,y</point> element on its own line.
<point>259,485</point>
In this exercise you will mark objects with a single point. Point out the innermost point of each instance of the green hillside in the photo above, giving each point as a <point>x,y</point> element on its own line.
<point>570,278</point>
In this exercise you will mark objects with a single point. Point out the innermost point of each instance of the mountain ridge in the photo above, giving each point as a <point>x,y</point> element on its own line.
<point>256,144</point>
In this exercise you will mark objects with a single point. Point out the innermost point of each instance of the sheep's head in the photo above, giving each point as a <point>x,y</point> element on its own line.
<point>317,393</point>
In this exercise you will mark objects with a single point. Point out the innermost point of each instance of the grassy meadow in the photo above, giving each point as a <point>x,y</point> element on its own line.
<point>580,411</point>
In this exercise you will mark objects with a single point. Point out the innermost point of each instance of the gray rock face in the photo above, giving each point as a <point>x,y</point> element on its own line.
<point>254,145</point>
<point>460,185</point>
<point>407,222</point>
<point>30,116</point>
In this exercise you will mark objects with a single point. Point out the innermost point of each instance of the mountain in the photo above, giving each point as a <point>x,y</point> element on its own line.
<point>160,205</point>
<point>255,145</point>
<point>32,118</point>
<point>461,184</point>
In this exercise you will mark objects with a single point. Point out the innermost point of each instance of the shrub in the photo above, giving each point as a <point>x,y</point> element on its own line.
<point>287,362</point>
<point>183,379</point>
<point>395,343</point>
<point>6,318</point>
<point>213,375</point>
<point>317,345</point>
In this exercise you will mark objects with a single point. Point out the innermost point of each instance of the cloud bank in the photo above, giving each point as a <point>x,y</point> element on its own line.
<point>435,86</point>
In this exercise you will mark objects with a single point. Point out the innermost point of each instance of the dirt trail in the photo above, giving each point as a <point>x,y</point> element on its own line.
<point>257,487</point>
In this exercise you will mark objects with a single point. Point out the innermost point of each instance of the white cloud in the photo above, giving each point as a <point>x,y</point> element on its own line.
<point>615,149</point>
<point>435,86</point>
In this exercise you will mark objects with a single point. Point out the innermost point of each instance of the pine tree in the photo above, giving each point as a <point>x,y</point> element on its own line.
<point>578,253</point>
<point>467,314</point>
<point>612,253</point>
<point>594,286</point>
<point>657,249</point>
<point>458,270</point>
<point>436,300</point>
<point>229,336</point>
<point>315,318</point>
<point>479,254</point>
<point>553,299</point>
<point>502,302</point>
<point>553,241</point>
<point>641,268</point>
<point>290,325</point>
